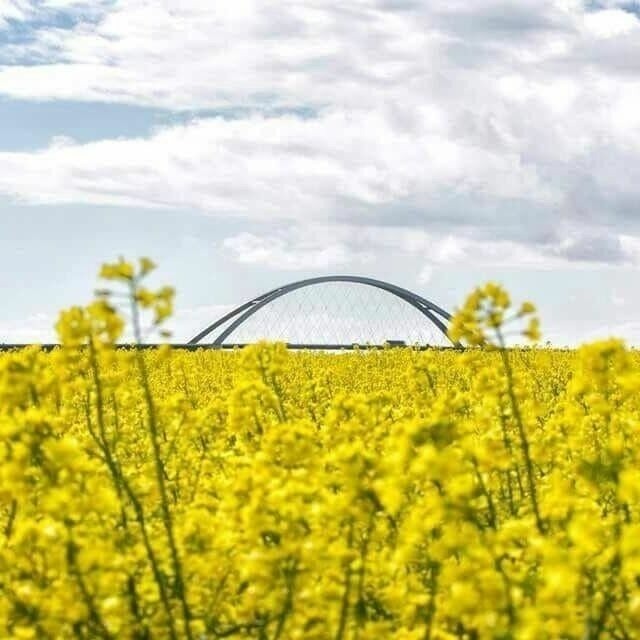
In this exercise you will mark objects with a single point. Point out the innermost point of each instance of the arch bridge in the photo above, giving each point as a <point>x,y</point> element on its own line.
<point>426,315</point>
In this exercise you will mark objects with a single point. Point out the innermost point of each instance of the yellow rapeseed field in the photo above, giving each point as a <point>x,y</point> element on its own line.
<point>486,493</point>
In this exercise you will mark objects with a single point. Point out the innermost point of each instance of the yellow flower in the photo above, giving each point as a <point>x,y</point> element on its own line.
<point>120,270</point>
<point>146,266</point>
<point>489,493</point>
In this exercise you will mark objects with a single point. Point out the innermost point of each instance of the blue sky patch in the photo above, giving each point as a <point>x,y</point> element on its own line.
<point>29,125</point>
<point>18,34</point>
<point>631,6</point>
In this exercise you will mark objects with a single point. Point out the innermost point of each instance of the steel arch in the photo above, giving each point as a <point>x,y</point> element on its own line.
<point>430,310</point>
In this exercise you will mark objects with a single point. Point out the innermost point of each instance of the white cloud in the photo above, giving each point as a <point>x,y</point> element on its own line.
<point>13,10</point>
<point>630,331</point>
<point>617,299</point>
<point>279,168</point>
<point>503,131</point>
<point>280,252</point>
<point>323,247</point>
<point>36,327</point>
<point>25,10</point>
<point>595,247</point>
<point>426,274</point>
<point>189,54</point>
<point>610,22</point>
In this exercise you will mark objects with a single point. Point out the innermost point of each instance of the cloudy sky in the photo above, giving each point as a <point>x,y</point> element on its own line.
<point>246,144</point>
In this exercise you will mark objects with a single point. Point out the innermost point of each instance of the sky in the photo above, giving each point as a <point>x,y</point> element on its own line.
<point>436,145</point>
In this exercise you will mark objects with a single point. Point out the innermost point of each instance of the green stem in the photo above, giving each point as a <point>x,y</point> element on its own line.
<point>431,607</point>
<point>346,594</point>
<point>287,607</point>
<point>493,518</point>
<point>152,423</point>
<point>524,442</point>
<point>122,484</point>
<point>94,615</point>
<point>13,509</point>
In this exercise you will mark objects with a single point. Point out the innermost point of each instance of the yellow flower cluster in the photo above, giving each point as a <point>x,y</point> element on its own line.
<point>490,493</point>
